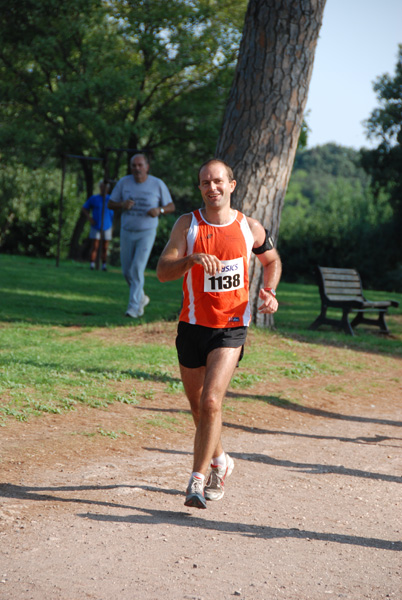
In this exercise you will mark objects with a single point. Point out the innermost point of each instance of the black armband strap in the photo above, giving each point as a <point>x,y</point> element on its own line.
<point>267,245</point>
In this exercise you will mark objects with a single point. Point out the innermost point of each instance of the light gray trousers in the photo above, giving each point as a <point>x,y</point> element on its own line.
<point>135,249</point>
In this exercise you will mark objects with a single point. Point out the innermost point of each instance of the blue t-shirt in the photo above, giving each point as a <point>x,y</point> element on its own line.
<point>151,193</point>
<point>94,203</point>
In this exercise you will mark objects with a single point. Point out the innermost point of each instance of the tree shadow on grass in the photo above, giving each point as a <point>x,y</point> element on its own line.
<point>369,341</point>
<point>316,469</point>
<point>366,441</point>
<point>362,440</point>
<point>316,412</point>
<point>38,294</point>
<point>139,374</point>
<point>293,406</point>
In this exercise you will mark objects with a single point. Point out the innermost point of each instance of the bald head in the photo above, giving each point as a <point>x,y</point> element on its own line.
<point>139,167</point>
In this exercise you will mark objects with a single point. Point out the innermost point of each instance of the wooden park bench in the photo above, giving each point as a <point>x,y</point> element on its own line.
<point>342,288</point>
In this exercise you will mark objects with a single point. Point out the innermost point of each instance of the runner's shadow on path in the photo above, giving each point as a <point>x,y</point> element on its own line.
<point>158,517</point>
<point>20,492</point>
<point>311,468</point>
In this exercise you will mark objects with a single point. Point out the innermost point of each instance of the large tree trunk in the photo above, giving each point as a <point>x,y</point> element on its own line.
<point>265,111</point>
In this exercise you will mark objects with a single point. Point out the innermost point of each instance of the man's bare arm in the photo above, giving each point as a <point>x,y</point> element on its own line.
<point>272,267</point>
<point>174,262</point>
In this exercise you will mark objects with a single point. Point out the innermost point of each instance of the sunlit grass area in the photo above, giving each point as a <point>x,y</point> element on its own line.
<point>54,356</point>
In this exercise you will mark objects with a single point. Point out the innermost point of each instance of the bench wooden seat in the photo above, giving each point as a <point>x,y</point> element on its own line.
<point>342,288</point>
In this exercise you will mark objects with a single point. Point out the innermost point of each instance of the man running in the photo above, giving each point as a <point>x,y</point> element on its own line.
<point>211,248</point>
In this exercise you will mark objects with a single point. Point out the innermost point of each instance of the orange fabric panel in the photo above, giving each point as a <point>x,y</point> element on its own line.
<point>223,300</point>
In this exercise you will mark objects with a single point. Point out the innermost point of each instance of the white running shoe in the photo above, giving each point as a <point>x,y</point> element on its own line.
<point>195,494</point>
<point>214,488</point>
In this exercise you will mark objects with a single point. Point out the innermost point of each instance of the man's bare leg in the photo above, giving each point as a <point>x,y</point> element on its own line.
<point>221,364</point>
<point>193,382</point>
<point>105,248</point>
<point>94,250</point>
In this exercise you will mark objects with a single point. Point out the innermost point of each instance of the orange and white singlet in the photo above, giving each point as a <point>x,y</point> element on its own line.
<point>221,300</point>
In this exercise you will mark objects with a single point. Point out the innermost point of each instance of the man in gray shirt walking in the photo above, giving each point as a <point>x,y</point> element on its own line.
<point>142,198</point>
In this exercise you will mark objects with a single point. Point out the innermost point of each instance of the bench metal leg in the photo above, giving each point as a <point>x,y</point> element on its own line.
<point>382,323</point>
<point>347,327</point>
<point>379,322</point>
<point>343,323</point>
<point>358,319</point>
<point>320,319</point>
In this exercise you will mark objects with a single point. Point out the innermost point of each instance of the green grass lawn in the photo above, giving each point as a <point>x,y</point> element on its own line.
<point>52,361</point>
<point>36,291</point>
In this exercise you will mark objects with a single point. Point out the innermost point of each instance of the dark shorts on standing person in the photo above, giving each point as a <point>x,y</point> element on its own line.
<point>195,342</point>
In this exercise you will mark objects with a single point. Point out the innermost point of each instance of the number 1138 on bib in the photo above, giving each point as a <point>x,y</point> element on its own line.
<point>230,278</point>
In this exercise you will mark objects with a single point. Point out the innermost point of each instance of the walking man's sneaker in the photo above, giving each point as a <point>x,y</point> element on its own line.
<point>134,314</point>
<point>214,489</point>
<point>195,494</point>
<point>145,301</point>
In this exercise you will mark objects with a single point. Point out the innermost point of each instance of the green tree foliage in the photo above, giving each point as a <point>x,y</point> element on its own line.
<point>29,214</point>
<point>54,83</point>
<point>384,164</point>
<point>78,77</point>
<point>331,217</point>
<point>86,76</point>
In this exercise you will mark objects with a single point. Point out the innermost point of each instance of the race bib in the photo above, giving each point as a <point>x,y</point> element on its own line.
<point>230,278</point>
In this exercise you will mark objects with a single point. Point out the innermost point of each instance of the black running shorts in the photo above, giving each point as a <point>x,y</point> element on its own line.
<point>195,342</point>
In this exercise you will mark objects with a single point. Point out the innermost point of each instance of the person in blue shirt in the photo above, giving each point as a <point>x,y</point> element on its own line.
<point>94,205</point>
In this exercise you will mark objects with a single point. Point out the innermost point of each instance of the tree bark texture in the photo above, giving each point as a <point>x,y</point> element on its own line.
<point>265,109</point>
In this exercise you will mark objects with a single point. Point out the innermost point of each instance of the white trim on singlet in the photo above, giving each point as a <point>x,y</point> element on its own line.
<point>249,238</point>
<point>191,237</point>
<point>214,225</point>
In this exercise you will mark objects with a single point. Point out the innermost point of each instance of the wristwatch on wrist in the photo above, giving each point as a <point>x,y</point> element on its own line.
<point>270,290</point>
<point>162,211</point>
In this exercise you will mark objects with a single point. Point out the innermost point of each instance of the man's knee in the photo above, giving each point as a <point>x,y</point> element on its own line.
<point>211,406</point>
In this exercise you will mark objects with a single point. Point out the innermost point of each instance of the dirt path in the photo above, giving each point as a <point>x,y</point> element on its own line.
<point>312,509</point>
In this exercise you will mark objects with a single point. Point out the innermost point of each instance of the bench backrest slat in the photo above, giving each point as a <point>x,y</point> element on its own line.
<point>340,283</point>
<point>332,277</point>
<point>335,271</point>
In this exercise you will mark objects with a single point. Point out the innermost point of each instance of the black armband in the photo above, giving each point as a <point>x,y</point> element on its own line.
<point>267,245</point>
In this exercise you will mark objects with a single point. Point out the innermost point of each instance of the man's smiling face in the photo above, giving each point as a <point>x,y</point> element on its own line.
<point>215,186</point>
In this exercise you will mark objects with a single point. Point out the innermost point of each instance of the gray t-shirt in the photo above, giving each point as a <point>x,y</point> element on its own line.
<point>149,194</point>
